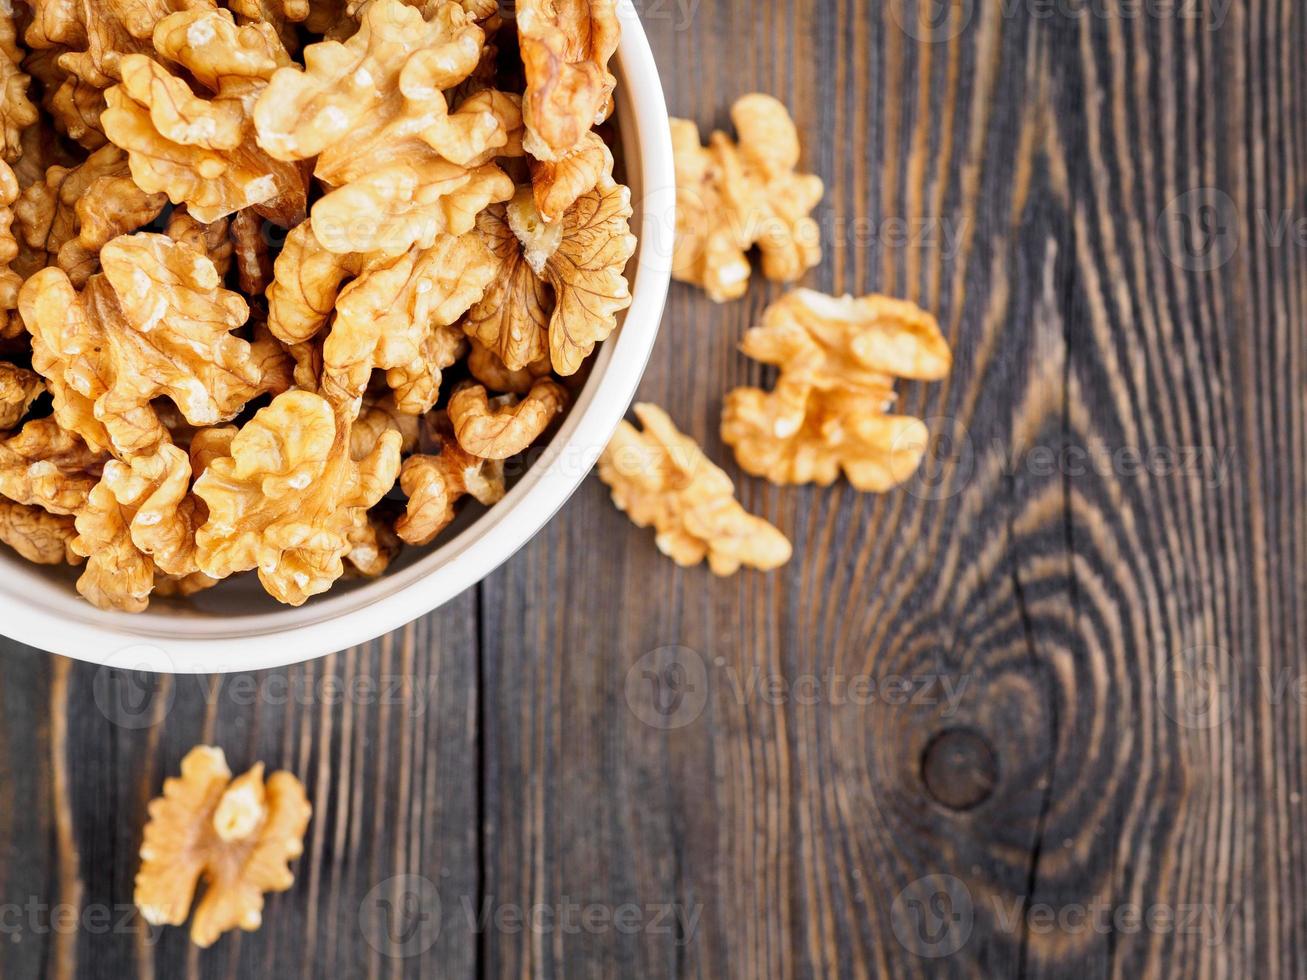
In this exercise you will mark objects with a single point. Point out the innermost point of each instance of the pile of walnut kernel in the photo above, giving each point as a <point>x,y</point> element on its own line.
<point>837,358</point>
<point>245,245</point>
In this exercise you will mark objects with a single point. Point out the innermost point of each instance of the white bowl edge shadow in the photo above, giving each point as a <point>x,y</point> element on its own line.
<point>41,609</point>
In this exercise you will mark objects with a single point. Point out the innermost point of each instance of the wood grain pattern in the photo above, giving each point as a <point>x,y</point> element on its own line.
<point>1040,712</point>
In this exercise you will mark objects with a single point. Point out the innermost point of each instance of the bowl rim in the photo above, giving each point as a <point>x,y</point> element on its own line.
<point>50,616</point>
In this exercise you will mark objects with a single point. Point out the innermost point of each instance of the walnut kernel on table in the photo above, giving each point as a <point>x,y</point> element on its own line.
<point>733,196</point>
<point>830,409</point>
<point>660,478</point>
<point>235,837</point>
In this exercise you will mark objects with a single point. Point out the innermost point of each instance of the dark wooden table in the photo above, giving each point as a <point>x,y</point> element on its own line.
<point>1039,712</point>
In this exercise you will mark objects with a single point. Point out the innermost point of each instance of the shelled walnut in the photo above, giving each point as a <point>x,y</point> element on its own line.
<point>661,478</point>
<point>830,409</point>
<point>733,196</point>
<point>236,837</point>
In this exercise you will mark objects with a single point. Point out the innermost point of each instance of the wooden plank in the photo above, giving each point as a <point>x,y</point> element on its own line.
<point>1114,532</point>
<point>384,737</point>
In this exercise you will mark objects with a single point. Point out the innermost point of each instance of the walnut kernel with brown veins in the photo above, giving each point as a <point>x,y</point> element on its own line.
<point>38,535</point>
<point>558,286</point>
<point>237,836</point>
<point>46,466</point>
<point>285,500</point>
<point>731,197</point>
<point>17,112</point>
<point>486,367</point>
<point>839,359</point>
<point>661,478</point>
<point>75,211</point>
<point>19,387</point>
<point>397,316</point>
<point>373,112</point>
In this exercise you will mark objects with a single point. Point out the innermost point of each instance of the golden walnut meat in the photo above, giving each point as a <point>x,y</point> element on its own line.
<point>434,484</point>
<point>556,184</point>
<point>839,358</point>
<point>396,316</point>
<point>75,211</point>
<point>45,466</point>
<point>210,240</point>
<point>237,836</point>
<point>373,545</point>
<point>11,280</point>
<point>403,169</point>
<point>507,425</point>
<point>139,521</point>
<point>156,322</point>
<point>98,33</point>
<point>16,110</point>
<point>19,387</point>
<point>486,367</point>
<point>844,341</point>
<point>74,106</point>
<point>200,149</point>
<point>661,478</point>
<point>377,416</point>
<point>38,535</point>
<point>281,15</point>
<point>407,204</point>
<point>565,46</point>
<point>305,283</point>
<point>378,98</point>
<point>286,499</point>
<point>732,196</point>
<point>78,50</point>
<point>558,286</point>
<point>800,434</point>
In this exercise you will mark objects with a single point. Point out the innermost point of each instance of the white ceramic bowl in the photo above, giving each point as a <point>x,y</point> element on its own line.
<point>236,627</point>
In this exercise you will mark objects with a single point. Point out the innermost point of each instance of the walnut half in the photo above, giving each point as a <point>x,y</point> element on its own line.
<point>732,196</point>
<point>659,477</point>
<point>236,835</point>
<point>830,409</point>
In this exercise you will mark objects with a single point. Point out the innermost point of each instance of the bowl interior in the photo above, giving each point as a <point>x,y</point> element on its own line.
<point>39,605</point>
